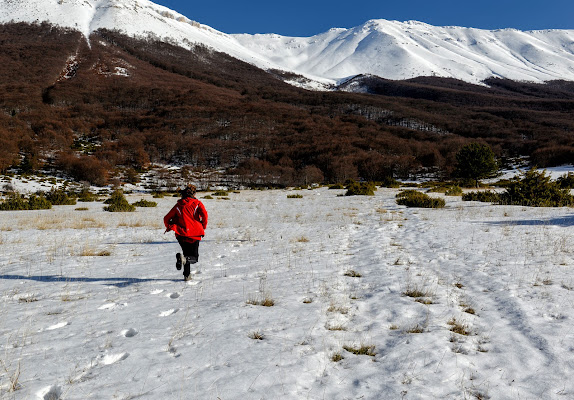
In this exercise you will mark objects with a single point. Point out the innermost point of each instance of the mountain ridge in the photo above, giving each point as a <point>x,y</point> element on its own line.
<point>388,49</point>
<point>404,50</point>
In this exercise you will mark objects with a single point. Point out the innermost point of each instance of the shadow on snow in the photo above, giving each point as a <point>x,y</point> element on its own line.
<point>118,282</point>
<point>565,221</point>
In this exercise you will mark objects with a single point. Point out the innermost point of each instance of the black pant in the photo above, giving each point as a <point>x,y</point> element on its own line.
<point>190,252</point>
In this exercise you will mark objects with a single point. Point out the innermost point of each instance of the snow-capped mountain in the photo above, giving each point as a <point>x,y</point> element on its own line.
<point>389,49</point>
<point>402,50</point>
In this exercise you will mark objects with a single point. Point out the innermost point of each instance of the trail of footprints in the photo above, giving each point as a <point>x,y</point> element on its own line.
<point>54,392</point>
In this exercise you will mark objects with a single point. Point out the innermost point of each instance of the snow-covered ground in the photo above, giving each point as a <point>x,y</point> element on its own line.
<point>93,307</point>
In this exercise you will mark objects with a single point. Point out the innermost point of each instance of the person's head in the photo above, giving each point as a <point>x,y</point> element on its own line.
<point>188,191</point>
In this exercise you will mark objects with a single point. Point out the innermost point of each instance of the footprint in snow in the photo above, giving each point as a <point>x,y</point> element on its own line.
<point>168,312</point>
<point>114,358</point>
<point>57,326</point>
<point>174,295</point>
<point>53,392</point>
<point>111,306</point>
<point>129,332</point>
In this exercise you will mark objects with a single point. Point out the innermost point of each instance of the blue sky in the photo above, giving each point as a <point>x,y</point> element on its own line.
<point>307,18</point>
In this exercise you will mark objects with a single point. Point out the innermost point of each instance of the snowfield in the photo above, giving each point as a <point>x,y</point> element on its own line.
<point>93,307</point>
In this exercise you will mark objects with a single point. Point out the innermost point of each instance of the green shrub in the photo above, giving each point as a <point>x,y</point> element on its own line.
<point>220,193</point>
<point>16,201</point>
<point>436,189</point>
<point>118,203</point>
<point>447,188</point>
<point>453,191</point>
<point>337,186</point>
<point>38,203</point>
<point>502,183</point>
<point>566,181</point>
<point>390,182</point>
<point>59,197</point>
<point>294,196</point>
<point>486,196</point>
<point>145,203</point>
<point>361,189</point>
<point>536,189</point>
<point>86,196</point>
<point>414,198</point>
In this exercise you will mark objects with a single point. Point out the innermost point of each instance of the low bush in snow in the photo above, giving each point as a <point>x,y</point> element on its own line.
<point>414,198</point>
<point>566,181</point>
<point>118,203</point>
<point>86,196</point>
<point>16,201</point>
<point>390,182</point>
<point>453,191</point>
<point>486,196</point>
<point>447,189</point>
<point>361,189</point>
<point>536,189</point>
<point>145,203</point>
<point>59,197</point>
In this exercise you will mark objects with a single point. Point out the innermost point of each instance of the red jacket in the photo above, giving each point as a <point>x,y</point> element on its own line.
<point>188,219</point>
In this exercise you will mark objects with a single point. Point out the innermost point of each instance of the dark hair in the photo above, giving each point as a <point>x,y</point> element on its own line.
<point>188,191</point>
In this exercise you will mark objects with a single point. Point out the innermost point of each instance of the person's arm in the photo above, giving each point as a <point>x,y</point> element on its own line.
<point>167,219</point>
<point>202,214</point>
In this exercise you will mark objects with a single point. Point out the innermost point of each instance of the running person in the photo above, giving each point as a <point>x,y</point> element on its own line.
<point>188,219</point>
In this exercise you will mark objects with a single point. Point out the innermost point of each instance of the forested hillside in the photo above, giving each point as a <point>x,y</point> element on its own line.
<point>124,103</point>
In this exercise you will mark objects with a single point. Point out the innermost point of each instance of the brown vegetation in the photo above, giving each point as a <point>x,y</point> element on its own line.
<point>131,102</point>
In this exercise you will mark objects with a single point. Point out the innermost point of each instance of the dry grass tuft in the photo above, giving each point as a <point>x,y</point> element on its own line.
<point>362,350</point>
<point>416,292</point>
<point>266,300</point>
<point>28,299</point>
<point>459,327</point>
<point>89,252</point>
<point>353,274</point>
<point>415,329</point>
<point>336,327</point>
<point>338,308</point>
<point>256,335</point>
